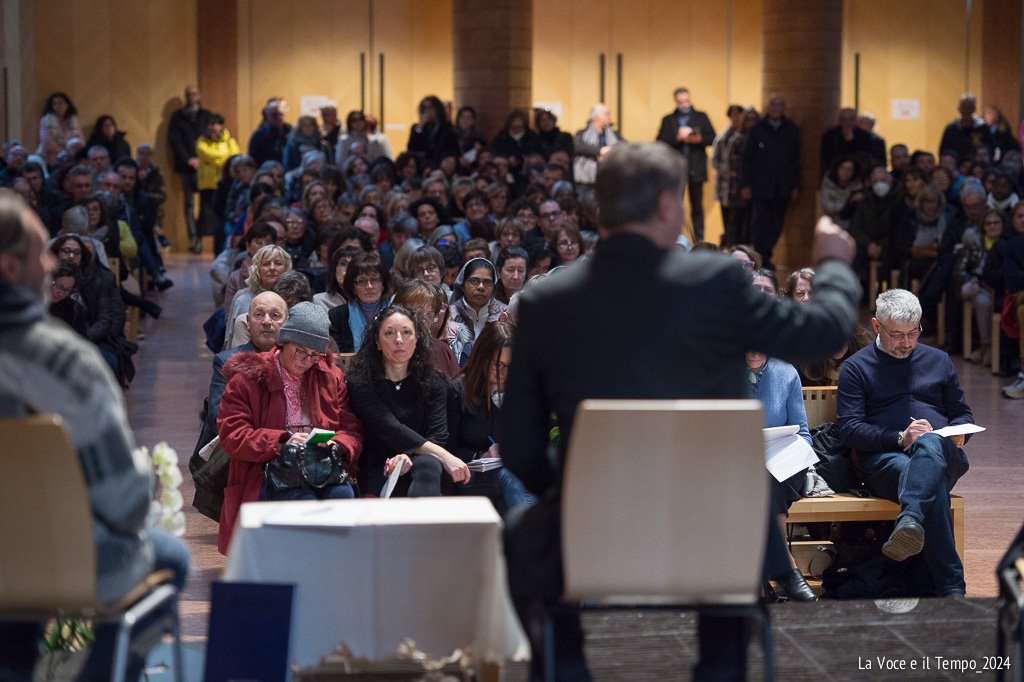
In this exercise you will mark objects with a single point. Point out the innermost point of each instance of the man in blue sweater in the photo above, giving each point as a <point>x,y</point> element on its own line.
<point>892,394</point>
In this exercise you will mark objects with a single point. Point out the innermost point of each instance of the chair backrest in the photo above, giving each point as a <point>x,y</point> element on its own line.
<point>820,404</point>
<point>48,555</point>
<point>344,361</point>
<point>665,501</point>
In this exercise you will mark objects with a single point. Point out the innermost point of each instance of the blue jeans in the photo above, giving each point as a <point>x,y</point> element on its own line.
<point>500,486</point>
<point>334,492</point>
<point>920,480</point>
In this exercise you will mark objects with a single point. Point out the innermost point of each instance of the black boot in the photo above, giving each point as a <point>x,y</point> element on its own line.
<point>793,586</point>
<point>150,308</point>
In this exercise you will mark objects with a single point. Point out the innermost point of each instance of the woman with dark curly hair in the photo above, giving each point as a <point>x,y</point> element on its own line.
<point>402,402</point>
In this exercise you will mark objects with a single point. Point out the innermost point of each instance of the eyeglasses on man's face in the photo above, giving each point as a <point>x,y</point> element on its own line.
<point>901,336</point>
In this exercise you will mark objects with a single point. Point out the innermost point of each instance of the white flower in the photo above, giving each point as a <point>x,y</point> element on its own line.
<point>174,523</point>
<point>171,500</point>
<point>141,452</point>
<point>170,477</point>
<point>164,455</point>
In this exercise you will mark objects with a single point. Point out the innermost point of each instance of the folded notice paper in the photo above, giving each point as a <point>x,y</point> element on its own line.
<point>485,464</point>
<point>209,448</point>
<point>959,430</point>
<point>786,453</point>
<point>317,436</point>
<point>392,481</point>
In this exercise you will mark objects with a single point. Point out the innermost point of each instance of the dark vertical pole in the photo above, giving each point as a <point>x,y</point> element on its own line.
<point>7,113</point>
<point>600,77</point>
<point>1021,73</point>
<point>856,81</point>
<point>381,114</point>
<point>618,86</point>
<point>362,81</point>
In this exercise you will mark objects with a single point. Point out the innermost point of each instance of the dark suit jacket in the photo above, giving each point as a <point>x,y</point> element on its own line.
<point>696,154</point>
<point>771,160</point>
<point>640,322</point>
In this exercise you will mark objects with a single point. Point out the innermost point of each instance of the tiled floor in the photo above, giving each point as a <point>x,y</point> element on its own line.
<point>173,377</point>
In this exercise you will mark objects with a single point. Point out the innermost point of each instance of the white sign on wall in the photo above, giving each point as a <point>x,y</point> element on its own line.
<point>310,105</point>
<point>906,109</point>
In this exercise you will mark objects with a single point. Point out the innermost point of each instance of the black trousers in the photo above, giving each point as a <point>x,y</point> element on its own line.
<point>533,551</point>
<point>189,187</point>
<point>766,223</point>
<point>696,190</point>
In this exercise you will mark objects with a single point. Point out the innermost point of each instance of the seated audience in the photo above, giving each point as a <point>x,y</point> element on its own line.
<point>364,288</point>
<point>430,304</point>
<point>337,266</point>
<point>976,246</point>
<point>473,413</point>
<point>473,304</point>
<point>892,394</point>
<point>402,402</point>
<point>511,265</point>
<point>269,263</point>
<point>64,305</point>
<point>277,398</point>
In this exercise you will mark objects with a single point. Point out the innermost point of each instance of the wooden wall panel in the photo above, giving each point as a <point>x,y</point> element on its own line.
<point>130,60</point>
<point>914,49</point>
<point>1000,60</point>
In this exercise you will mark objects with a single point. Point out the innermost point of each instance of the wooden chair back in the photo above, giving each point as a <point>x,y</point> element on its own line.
<point>48,559</point>
<point>664,502</point>
<point>820,404</point>
<point>344,361</point>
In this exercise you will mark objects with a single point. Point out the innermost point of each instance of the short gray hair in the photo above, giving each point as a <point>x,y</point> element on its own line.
<point>13,235</point>
<point>898,305</point>
<point>75,220</point>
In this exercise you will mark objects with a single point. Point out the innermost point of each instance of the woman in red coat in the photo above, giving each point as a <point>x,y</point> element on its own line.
<point>278,397</point>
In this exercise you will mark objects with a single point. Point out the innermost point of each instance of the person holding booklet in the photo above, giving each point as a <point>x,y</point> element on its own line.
<point>895,396</point>
<point>777,385</point>
<point>402,400</point>
<point>474,408</point>
<point>282,397</point>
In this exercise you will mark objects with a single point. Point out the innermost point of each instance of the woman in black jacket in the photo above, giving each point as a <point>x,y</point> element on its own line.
<point>402,403</point>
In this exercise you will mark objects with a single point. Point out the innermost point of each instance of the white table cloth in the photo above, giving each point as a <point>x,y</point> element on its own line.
<point>369,573</point>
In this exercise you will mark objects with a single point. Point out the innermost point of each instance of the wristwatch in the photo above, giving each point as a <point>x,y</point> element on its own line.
<point>899,439</point>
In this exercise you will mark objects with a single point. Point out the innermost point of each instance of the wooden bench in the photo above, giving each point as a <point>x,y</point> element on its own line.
<point>820,404</point>
<point>848,507</point>
<point>343,361</point>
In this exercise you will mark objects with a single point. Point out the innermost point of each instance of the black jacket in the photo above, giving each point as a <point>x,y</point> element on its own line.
<point>182,132</point>
<point>696,154</point>
<point>771,160</point>
<point>691,319</point>
<point>267,143</point>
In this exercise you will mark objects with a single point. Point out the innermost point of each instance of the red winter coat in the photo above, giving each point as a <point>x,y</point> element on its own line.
<point>252,419</point>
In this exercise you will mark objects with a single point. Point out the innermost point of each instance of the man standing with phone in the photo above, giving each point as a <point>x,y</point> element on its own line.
<point>690,132</point>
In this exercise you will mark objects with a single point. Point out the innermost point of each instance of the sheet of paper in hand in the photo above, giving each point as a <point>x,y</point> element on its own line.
<point>959,430</point>
<point>786,453</point>
<point>392,481</point>
<point>485,464</point>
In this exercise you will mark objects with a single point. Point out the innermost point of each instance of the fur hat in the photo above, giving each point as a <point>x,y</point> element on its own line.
<point>307,326</point>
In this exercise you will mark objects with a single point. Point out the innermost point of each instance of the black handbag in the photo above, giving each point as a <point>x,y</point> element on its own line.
<point>304,466</point>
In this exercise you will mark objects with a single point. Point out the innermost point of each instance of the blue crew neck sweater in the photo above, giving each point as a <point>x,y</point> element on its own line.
<point>880,395</point>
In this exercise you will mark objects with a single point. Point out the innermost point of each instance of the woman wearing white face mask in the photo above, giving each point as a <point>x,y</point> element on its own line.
<point>473,413</point>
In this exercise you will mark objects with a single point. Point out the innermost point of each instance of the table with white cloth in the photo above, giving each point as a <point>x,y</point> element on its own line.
<point>370,573</point>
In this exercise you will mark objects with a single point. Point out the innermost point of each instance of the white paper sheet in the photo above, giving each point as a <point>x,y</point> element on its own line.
<point>208,449</point>
<point>785,455</point>
<point>389,487</point>
<point>959,430</point>
<point>485,464</point>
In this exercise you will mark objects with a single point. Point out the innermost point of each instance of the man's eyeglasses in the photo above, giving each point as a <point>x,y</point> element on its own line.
<point>901,336</point>
<point>367,281</point>
<point>550,215</point>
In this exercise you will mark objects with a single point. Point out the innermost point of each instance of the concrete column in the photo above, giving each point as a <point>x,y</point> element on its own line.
<point>801,62</point>
<point>492,53</point>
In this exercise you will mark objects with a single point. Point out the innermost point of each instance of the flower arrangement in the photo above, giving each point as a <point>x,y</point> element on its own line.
<point>165,511</point>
